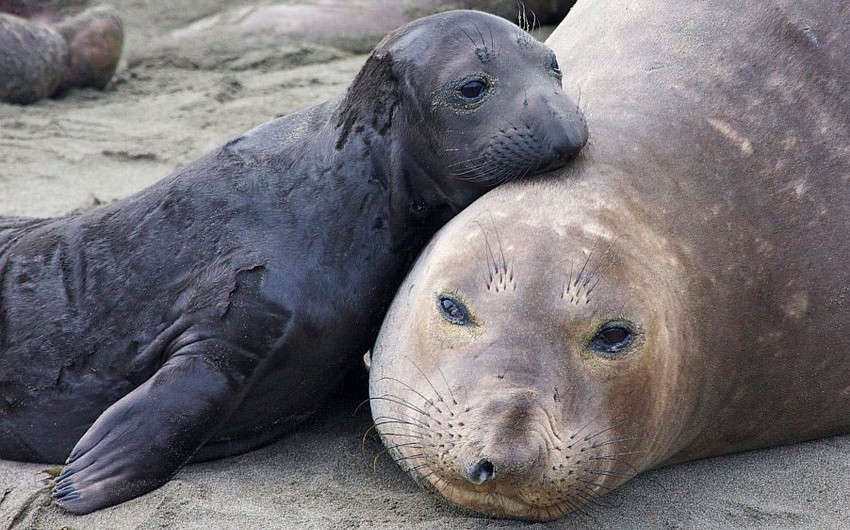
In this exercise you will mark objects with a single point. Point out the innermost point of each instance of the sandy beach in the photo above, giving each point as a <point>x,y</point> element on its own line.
<point>170,104</point>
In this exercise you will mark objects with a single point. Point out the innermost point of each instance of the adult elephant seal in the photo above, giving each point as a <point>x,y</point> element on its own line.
<point>680,291</point>
<point>354,26</point>
<point>42,56</point>
<point>209,313</point>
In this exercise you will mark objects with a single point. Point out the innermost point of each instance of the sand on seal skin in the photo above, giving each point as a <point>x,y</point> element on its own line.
<point>92,147</point>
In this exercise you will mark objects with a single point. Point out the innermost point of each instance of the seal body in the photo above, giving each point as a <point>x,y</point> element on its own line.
<point>210,313</point>
<point>354,26</point>
<point>678,292</point>
<point>49,53</point>
<point>32,58</point>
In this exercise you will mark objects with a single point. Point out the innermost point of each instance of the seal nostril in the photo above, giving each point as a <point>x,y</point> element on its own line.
<point>480,472</point>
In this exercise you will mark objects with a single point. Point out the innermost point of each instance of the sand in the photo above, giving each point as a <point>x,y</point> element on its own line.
<point>169,105</point>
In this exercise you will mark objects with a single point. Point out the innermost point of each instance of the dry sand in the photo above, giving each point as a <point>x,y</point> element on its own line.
<point>168,106</point>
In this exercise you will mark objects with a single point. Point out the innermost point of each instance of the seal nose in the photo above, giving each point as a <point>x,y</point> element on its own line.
<point>480,472</point>
<point>565,130</point>
<point>572,129</point>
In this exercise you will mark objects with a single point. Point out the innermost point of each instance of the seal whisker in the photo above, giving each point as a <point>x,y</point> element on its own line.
<point>413,456</point>
<point>392,398</point>
<point>574,435</point>
<point>385,452</point>
<point>407,435</point>
<point>365,436</point>
<point>605,473</point>
<point>596,272</point>
<point>415,445</point>
<point>390,421</point>
<point>490,259</point>
<point>580,508</point>
<point>535,24</point>
<point>446,381</point>
<point>611,442</point>
<point>594,484</point>
<point>522,19</point>
<point>613,426</point>
<point>480,35</point>
<point>468,36</point>
<point>405,385</point>
<point>593,497</point>
<point>580,275</point>
<point>439,396</point>
<point>373,427</point>
<point>618,460</point>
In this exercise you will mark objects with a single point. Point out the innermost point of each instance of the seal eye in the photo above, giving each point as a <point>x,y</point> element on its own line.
<point>473,89</point>
<point>612,338</point>
<point>453,310</point>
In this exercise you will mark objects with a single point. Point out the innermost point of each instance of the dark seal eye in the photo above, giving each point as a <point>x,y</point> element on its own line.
<point>473,89</point>
<point>612,338</point>
<point>453,310</point>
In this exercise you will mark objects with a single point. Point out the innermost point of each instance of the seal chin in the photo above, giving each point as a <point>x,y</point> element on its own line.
<point>497,504</point>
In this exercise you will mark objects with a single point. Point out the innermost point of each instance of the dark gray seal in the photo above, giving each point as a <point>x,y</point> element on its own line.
<point>678,292</point>
<point>212,312</point>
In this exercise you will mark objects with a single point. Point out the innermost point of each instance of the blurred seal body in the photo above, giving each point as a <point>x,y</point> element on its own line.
<point>46,55</point>
<point>208,314</point>
<point>678,292</point>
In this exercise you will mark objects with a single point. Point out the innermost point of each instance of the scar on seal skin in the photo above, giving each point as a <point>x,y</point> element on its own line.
<point>48,53</point>
<point>676,293</point>
<point>209,314</point>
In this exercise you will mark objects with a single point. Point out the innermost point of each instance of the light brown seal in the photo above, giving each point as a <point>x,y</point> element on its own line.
<point>679,292</point>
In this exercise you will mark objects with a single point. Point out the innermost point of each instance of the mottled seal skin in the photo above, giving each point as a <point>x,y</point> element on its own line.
<point>40,58</point>
<point>679,291</point>
<point>212,312</point>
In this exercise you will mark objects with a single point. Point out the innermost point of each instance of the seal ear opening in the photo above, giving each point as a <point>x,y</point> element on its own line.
<point>371,99</point>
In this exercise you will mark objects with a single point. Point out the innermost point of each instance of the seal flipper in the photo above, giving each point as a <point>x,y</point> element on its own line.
<point>143,439</point>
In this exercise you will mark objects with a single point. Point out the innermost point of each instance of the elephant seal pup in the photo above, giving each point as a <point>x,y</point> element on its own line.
<point>211,312</point>
<point>680,291</point>
<point>40,58</point>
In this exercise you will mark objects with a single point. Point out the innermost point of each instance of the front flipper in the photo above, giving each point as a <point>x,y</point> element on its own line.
<point>143,439</point>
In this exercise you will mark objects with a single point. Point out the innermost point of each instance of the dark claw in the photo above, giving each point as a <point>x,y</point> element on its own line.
<point>67,488</point>
<point>61,483</point>
<point>66,494</point>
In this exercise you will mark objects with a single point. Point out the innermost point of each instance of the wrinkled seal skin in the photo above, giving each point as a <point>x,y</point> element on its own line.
<point>679,291</point>
<point>210,313</point>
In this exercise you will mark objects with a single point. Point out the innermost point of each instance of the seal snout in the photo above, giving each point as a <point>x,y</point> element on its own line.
<point>565,133</point>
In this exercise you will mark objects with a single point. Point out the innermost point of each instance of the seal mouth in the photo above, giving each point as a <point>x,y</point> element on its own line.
<point>499,505</point>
